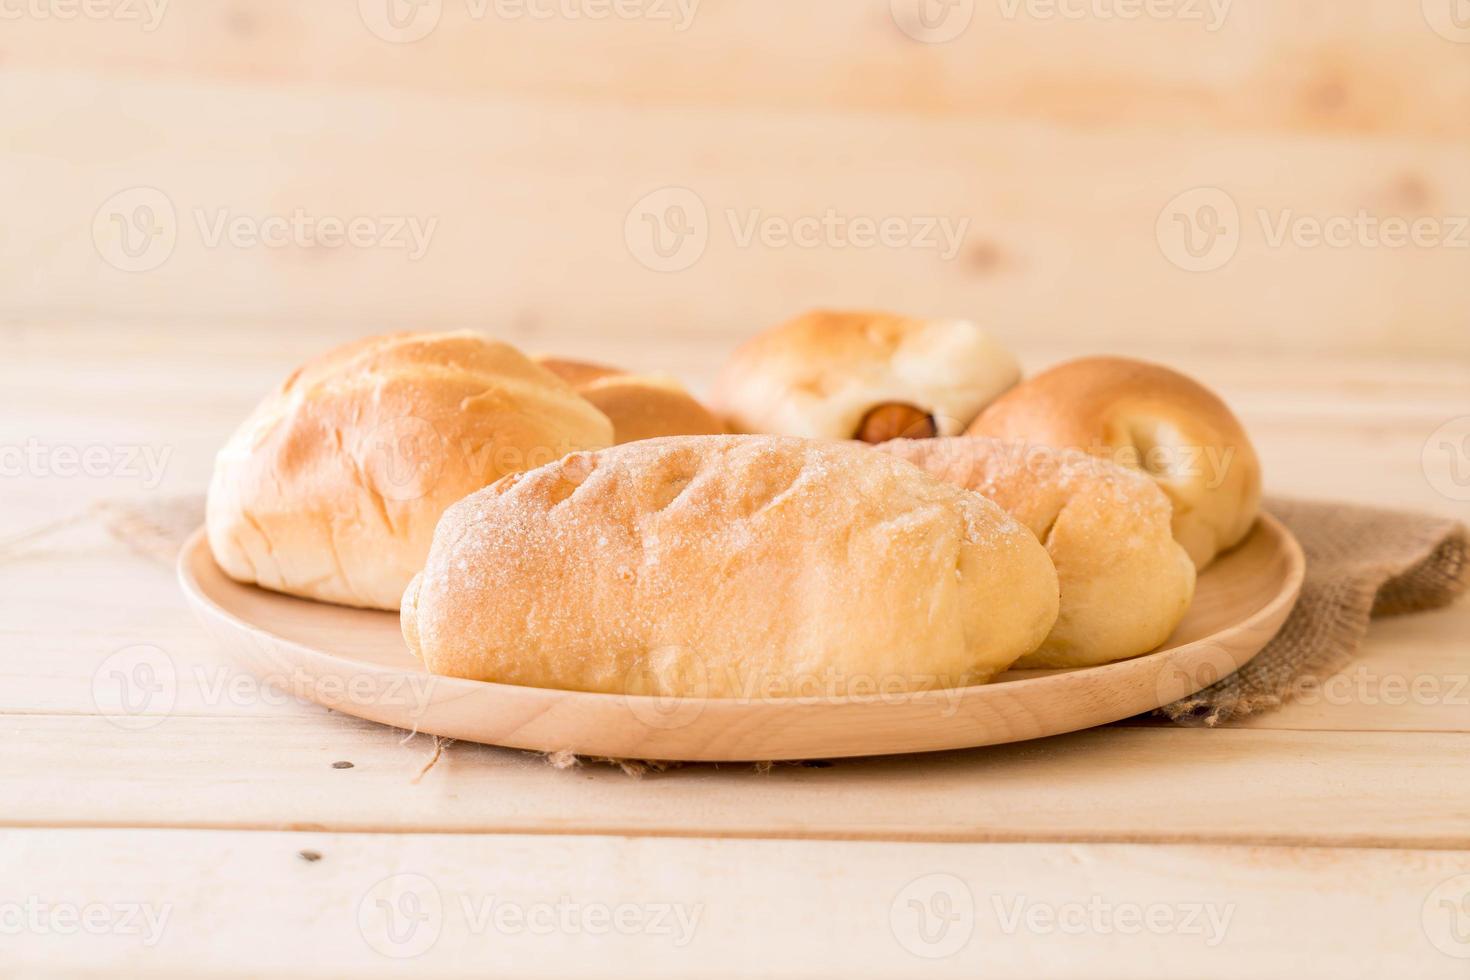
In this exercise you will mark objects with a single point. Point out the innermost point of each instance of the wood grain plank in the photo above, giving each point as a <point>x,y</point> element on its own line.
<point>722,908</point>
<point>1250,65</point>
<point>1113,784</point>
<point>1053,230</point>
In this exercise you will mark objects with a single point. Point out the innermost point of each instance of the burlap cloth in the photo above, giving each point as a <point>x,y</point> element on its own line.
<point>1361,562</point>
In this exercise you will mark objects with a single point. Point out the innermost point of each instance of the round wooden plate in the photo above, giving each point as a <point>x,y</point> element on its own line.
<point>356,662</point>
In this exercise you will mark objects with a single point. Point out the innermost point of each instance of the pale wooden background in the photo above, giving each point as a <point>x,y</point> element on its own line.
<point>529,141</point>
<point>1333,827</point>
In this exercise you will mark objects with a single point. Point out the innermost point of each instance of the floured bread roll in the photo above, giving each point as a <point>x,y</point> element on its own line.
<point>729,566</point>
<point>641,406</point>
<point>332,487</point>
<point>869,376</point>
<point>1126,583</point>
<point>1145,416</point>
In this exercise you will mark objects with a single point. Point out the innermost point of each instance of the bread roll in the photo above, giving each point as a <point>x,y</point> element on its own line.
<point>576,373</point>
<point>729,566</point>
<point>1125,582</point>
<point>641,406</point>
<point>1148,417</point>
<point>332,487</point>
<point>869,376</point>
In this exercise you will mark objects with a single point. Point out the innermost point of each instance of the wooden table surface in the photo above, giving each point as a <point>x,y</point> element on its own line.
<point>224,833</point>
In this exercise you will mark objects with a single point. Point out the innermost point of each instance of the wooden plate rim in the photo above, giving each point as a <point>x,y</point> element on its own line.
<point>1270,616</point>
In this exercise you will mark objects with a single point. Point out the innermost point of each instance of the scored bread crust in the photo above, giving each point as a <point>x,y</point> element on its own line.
<point>641,406</point>
<point>729,566</point>
<point>1125,582</point>
<point>1148,417</point>
<point>820,374</point>
<point>332,487</point>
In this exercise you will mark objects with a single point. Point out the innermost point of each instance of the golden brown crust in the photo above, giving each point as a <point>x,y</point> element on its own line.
<point>1147,417</point>
<point>820,374</point>
<point>728,566</point>
<point>332,487</point>
<point>640,406</point>
<point>577,373</point>
<point>1125,582</point>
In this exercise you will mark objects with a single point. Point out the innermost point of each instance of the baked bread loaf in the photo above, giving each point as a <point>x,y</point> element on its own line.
<point>729,566</point>
<point>641,406</point>
<point>1147,417</point>
<point>868,376</point>
<point>1125,582</point>
<point>331,489</point>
